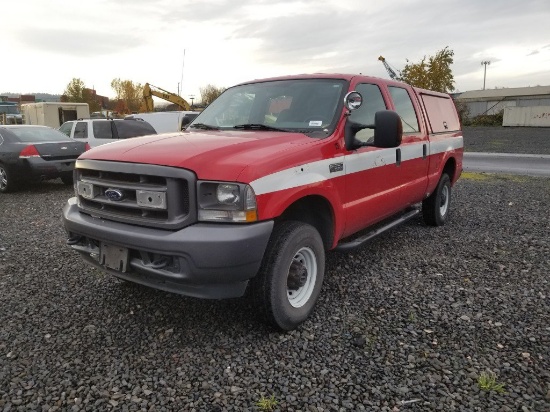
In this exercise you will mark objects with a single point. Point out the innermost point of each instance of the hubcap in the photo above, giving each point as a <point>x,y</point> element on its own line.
<point>444,204</point>
<point>302,276</point>
<point>3,178</point>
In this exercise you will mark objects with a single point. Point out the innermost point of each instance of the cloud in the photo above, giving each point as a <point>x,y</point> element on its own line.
<point>76,43</point>
<point>291,39</point>
<point>230,41</point>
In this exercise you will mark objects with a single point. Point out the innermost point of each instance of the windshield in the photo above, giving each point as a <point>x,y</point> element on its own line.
<point>8,109</point>
<point>302,105</point>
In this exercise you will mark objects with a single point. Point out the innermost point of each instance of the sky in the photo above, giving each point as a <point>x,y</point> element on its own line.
<point>183,45</point>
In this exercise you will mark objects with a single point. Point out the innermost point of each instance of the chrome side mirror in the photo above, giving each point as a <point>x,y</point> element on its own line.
<point>353,101</point>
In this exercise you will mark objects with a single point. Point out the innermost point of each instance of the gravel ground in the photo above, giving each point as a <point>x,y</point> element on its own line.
<point>407,323</point>
<point>526,140</point>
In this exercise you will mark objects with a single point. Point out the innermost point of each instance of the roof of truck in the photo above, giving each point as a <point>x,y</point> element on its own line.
<point>343,76</point>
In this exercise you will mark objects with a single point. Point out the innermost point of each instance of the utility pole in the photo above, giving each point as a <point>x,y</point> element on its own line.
<point>485,63</point>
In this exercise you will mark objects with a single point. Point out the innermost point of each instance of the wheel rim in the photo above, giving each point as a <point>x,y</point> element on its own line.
<point>444,203</point>
<point>302,276</point>
<point>3,178</point>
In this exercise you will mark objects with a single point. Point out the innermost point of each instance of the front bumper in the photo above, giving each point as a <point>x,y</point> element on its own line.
<point>206,260</point>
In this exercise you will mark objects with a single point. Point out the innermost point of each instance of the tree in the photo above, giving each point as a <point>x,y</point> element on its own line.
<point>74,92</point>
<point>209,93</point>
<point>433,73</point>
<point>77,92</point>
<point>129,92</point>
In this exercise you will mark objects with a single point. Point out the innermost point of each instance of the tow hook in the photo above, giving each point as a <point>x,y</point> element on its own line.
<point>73,240</point>
<point>160,263</point>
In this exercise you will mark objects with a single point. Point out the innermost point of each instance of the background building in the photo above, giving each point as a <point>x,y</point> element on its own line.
<point>492,101</point>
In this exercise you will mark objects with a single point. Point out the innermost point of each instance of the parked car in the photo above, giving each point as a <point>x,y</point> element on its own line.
<point>96,132</point>
<point>10,114</point>
<point>34,153</point>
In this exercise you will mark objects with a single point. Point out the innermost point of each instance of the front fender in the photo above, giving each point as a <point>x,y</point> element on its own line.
<point>274,204</point>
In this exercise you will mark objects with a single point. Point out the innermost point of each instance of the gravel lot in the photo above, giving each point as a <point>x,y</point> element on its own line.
<point>526,140</point>
<point>407,323</point>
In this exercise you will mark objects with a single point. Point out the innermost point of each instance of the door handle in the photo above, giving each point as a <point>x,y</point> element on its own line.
<point>424,151</point>
<point>398,157</point>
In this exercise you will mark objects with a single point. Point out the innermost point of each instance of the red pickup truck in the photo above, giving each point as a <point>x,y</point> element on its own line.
<point>266,179</point>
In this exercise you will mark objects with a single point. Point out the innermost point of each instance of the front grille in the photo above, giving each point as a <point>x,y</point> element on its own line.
<point>146,195</point>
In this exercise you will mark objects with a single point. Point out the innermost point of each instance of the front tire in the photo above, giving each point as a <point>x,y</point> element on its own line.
<point>290,279</point>
<point>435,209</point>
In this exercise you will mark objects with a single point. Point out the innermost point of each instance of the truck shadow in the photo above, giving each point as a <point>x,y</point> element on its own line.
<point>144,307</point>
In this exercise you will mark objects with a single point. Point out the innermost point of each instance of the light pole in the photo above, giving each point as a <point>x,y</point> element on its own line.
<point>192,97</point>
<point>485,63</point>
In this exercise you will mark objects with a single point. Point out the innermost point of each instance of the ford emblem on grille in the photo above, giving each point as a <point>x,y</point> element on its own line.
<point>116,195</point>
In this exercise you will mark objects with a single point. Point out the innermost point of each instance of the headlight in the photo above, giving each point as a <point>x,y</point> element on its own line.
<point>226,202</point>
<point>228,194</point>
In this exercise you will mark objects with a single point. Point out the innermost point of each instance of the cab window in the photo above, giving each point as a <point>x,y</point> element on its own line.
<point>81,130</point>
<point>405,109</point>
<point>66,128</point>
<point>102,130</point>
<point>372,102</point>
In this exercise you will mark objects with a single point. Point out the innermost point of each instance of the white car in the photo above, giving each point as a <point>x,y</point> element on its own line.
<point>96,132</point>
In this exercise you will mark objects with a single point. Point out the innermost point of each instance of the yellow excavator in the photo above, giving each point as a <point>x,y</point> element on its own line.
<point>149,91</point>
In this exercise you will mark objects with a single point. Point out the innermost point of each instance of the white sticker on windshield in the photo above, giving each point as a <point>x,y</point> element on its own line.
<point>316,123</point>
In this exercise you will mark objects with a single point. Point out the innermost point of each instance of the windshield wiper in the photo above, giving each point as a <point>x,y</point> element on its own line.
<point>204,126</point>
<point>258,126</point>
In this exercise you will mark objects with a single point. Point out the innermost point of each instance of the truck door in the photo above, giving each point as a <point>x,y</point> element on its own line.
<point>372,177</point>
<point>412,154</point>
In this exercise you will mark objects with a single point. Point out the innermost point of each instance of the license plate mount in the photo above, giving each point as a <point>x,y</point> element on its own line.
<point>114,257</point>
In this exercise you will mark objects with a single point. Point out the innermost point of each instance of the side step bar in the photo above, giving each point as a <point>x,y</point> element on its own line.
<point>361,240</point>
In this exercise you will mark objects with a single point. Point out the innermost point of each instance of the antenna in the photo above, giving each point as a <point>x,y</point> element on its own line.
<point>181,80</point>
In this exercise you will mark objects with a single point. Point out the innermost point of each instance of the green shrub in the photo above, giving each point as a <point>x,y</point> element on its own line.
<point>485,120</point>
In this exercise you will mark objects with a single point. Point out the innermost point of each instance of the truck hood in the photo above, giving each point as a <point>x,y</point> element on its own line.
<point>212,155</point>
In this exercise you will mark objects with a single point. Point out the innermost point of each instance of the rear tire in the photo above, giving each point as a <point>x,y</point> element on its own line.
<point>290,279</point>
<point>6,182</point>
<point>435,209</point>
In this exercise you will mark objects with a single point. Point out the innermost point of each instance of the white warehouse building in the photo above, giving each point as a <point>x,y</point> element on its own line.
<point>523,106</point>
